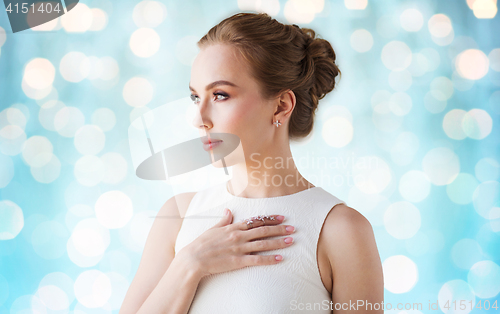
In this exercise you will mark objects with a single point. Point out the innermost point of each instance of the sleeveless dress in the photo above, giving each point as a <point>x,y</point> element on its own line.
<point>291,286</point>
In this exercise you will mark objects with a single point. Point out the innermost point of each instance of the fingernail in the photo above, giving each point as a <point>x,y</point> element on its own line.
<point>288,240</point>
<point>280,217</point>
<point>289,228</point>
<point>226,212</point>
<point>278,257</point>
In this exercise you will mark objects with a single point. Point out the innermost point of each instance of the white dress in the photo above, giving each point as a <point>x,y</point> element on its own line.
<point>291,286</point>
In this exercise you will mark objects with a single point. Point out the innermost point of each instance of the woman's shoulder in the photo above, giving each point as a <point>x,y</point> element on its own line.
<point>177,205</point>
<point>349,244</point>
<point>348,237</point>
<point>344,224</point>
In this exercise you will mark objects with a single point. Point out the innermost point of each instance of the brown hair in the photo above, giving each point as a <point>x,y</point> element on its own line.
<point>281,57</point>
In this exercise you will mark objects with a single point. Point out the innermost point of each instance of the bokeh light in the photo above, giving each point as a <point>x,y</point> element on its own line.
<point>409,138</point>
<point>400,274</point>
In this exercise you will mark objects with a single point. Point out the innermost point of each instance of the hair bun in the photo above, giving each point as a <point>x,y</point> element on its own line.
<point>322,57</point>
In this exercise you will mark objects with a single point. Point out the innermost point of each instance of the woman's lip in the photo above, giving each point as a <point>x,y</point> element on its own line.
<point>211,145</point>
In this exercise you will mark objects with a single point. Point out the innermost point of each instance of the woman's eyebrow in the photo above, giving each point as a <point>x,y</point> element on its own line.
<point>216,83</point>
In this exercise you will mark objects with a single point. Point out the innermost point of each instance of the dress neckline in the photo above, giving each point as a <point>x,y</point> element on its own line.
<point>226,193</point>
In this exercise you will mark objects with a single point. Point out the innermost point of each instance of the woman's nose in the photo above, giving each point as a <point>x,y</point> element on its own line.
<point>201,118</point>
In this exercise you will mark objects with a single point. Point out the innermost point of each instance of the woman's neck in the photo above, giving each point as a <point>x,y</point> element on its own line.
<point>267,176</point>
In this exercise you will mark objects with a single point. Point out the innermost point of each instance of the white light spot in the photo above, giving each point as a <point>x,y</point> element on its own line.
<point>104,118</point>
<point>138,92</point>
<point>68,120</point>
<point>186,50</point>
<point>78,19</point>
<point>485,9</point>
<point>452,124</point>
<point>6,170</point>
<point>485,197</point>
<point>74,66</point>
<point>337,131</point>
<point>371,174</point>
<point>293,13</point>
<point>34,146</point>
<point>361,40</point>
<point>487,169</point>
<point>48,112</point>
<point>402,220</point>
<point>461,189</point>
<point>472,64</point>
<point>11,220</point>
<point>115,168</point>
<point>49,172</point>
<point>411,20</point>
<point>456,292</point>
<point>99,20</point>
<point>53,297</point>
<point>110,69</point>
<point>400,103</point>
<point>149,13</point>
<point>12,138</point>
<point>441,88</point>
<point>400,274</point>
<point>90,238</point>
<point>3,37</point>
<point>61,281</point>
<point>477,124</point>
<point>419,64</point>
<point>89,140</point>
<point>89,170</point>
<point>119,287</point>
<point>414,186</point>
<point>116,261</point>
<point>466,252</point>
<point>494,57</point>
<point>144,42</point>
<point>432,104</point>
<point>441,165</point>
<point>93,288</point>
<point>439,25</point>
<point>13,116</point>
<point>396,55</point>
<point>356,4</point>
<point>387,26</point>
<point>135,234</point>
<point>114,209</point>
<point>484,278</point>
<point>39,74</point>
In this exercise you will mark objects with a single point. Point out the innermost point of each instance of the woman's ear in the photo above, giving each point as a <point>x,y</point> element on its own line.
<point>286,103</point>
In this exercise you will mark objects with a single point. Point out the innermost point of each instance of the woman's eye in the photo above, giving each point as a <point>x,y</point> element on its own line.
<point>220,94</point>
<point>196,100</point>
<point>193,98</point>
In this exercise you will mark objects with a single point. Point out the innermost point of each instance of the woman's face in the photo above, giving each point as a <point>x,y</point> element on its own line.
<point>234,106</point>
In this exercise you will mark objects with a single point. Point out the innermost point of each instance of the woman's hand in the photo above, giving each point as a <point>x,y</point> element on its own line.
<point>226,246</point>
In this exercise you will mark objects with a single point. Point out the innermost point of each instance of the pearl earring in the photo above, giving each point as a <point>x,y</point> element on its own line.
<point>278,123</point>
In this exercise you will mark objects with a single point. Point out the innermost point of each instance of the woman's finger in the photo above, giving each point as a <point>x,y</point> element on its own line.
<point>261,220</point>
<point>267,232</point>
<point>225,220</point>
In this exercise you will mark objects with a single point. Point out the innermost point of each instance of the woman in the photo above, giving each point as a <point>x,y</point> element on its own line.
<point>260,80</point>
